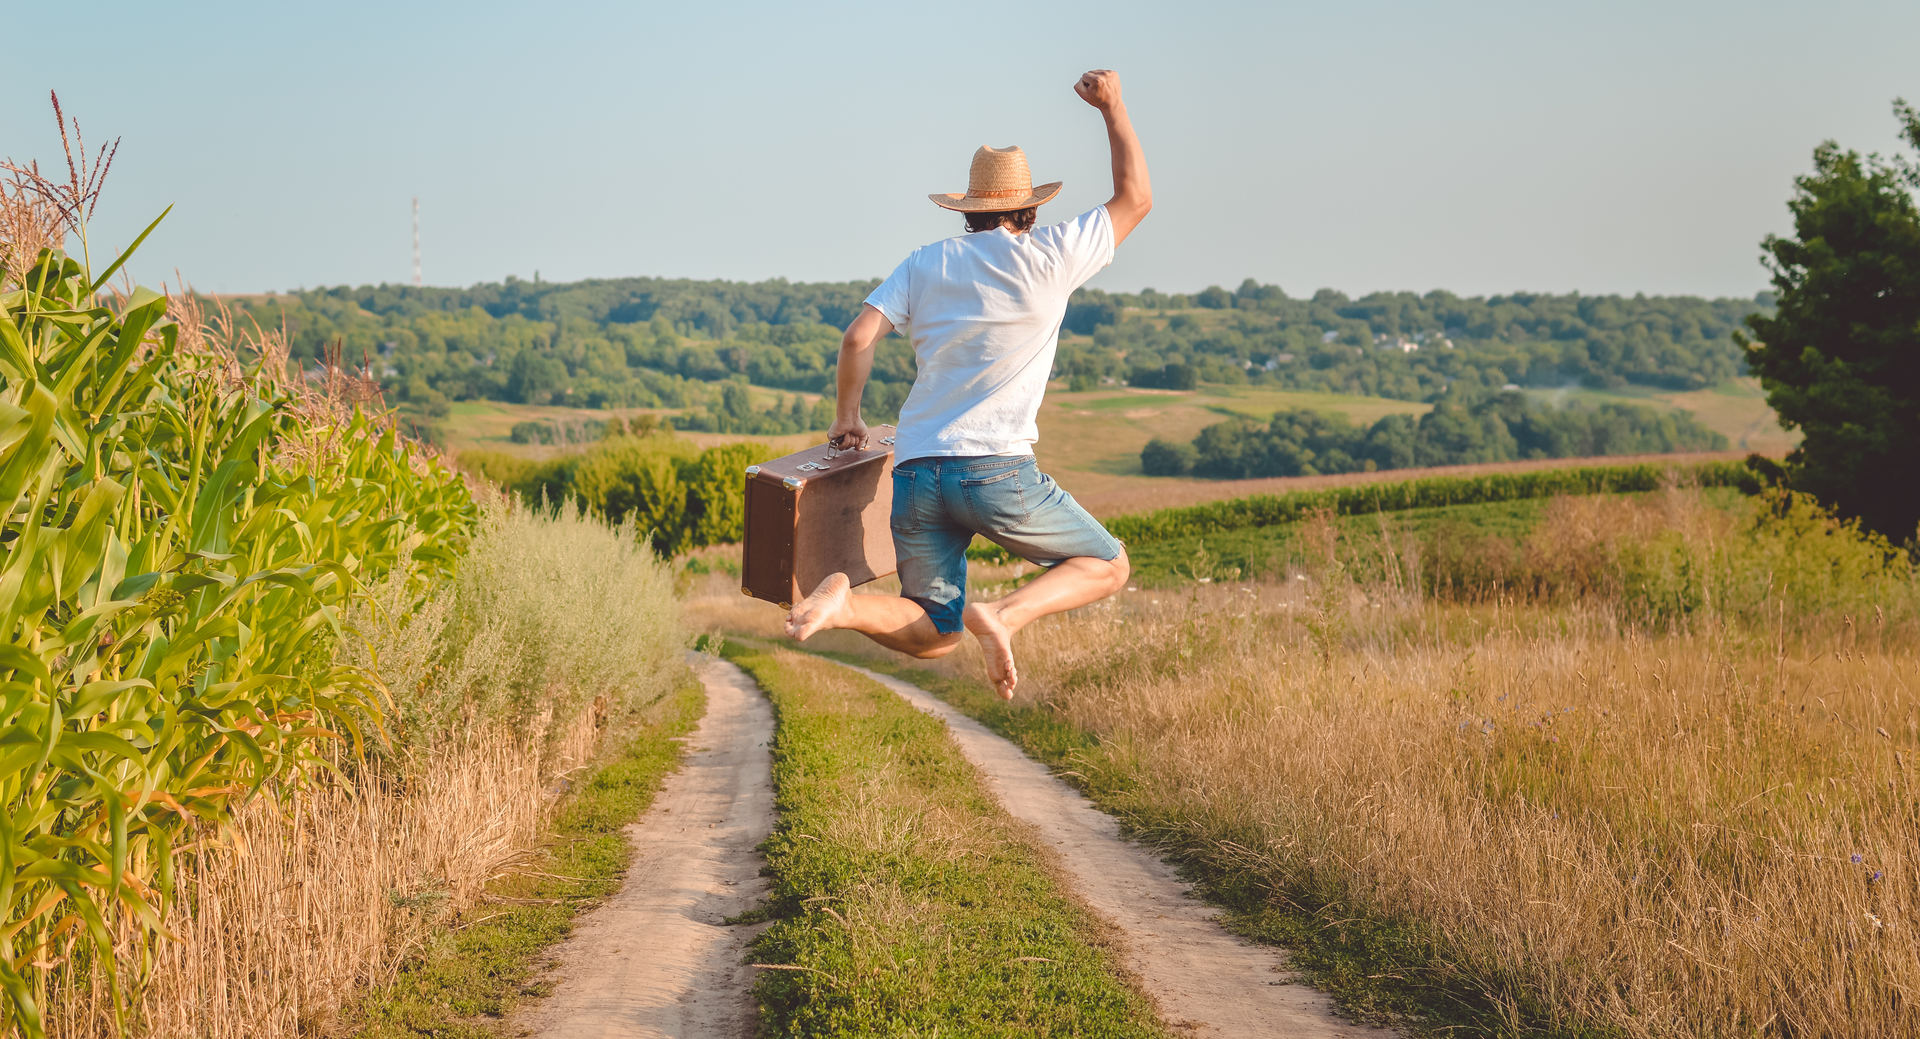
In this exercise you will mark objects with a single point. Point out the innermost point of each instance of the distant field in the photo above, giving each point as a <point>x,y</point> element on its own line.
<point>1091,441</point>
<point>1103,431</point>
<point>488,425</point>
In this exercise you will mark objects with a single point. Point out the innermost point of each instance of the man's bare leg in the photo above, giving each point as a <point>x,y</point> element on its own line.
<point>896,623</point>
<point>1068,585</point>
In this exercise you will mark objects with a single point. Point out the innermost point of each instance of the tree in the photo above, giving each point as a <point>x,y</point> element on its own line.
<point>534,377</point>
<point>1214,298</point>
<point>1166,458</point>
<point>1840,359</point>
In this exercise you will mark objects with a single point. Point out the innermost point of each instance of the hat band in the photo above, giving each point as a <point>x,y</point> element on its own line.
<point>1008,193</point>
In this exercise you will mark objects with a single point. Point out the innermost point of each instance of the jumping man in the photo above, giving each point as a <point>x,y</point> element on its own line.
<point>984,312</point>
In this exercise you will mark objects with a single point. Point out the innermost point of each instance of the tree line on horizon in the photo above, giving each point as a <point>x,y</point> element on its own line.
<point>1500,427</point>
<point>675,343</point>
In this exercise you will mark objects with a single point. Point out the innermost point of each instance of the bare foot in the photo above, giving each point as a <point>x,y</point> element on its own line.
<point>996,644</point>
<point>823,609</point>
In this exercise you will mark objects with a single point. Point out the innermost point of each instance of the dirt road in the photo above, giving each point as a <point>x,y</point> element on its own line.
<point>1206,981</point>
<point>656,960</point>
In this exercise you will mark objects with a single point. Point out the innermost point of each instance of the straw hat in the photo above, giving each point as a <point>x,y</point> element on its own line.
<point>998,183</point>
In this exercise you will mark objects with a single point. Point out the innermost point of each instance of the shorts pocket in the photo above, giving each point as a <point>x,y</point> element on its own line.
<point>903,517</point>
<point>999,502</point>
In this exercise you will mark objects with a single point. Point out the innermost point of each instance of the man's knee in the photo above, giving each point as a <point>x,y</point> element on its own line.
<point>938,649</point>
<point>1118,570</point>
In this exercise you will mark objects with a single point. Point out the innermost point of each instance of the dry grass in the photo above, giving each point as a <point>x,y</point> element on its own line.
<point>1706,830</point>
<point>306,900</point>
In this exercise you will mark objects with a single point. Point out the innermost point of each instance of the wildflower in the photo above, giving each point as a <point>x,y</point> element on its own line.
<point>1856,860</point>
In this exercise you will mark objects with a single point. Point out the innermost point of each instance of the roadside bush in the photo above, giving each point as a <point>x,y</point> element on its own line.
<point>1671,559</point>
<point>672,493</point>
<point>550,610</point>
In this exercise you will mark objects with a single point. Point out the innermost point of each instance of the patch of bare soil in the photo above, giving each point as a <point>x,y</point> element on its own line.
<point>1206,981</point>
<point>658,959</point>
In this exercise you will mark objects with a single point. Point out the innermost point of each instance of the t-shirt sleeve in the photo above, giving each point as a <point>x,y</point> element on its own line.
<point>1084,245</point>
<point>894,298</point>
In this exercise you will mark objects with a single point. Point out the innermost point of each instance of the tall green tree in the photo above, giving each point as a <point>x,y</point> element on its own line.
<point>1840,359</point>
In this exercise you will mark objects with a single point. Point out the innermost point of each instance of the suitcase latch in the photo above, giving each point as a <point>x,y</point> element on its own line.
<point>887,441</point>
<point>804,466</point>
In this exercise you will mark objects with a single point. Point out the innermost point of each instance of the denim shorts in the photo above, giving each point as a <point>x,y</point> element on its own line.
<point>939,504</point>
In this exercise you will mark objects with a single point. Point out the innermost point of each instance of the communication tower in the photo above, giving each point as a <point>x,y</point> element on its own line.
<point>416,241</point>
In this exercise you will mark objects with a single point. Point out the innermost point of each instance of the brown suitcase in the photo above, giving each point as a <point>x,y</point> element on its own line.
<point>818,512</point>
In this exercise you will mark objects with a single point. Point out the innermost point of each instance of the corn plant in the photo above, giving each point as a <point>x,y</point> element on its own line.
<point>171,584</point>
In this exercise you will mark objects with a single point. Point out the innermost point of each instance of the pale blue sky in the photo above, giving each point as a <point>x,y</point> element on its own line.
<point>1478,147</point>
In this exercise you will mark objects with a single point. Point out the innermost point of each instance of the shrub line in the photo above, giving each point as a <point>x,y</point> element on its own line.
<point>1264,510</point>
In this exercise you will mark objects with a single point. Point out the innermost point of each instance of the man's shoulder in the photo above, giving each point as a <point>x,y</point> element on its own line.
<point>1089,222</point>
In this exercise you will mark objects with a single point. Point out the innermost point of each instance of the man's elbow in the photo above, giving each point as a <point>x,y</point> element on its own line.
<point>1130,209</point>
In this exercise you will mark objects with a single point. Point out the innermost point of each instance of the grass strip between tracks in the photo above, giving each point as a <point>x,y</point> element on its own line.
<point>1385,971</point>
<point>905,901</point>
<point>473,970</point>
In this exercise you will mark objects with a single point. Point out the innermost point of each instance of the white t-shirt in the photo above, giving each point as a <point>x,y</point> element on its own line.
<point>984,311</point>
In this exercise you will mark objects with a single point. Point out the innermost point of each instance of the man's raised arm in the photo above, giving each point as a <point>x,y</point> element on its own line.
<point>850,379</point>
<point>1132,192</point>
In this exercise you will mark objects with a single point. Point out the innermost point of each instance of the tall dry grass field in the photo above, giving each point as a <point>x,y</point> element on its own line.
<point>325,891</point>
<point>1639,806</point>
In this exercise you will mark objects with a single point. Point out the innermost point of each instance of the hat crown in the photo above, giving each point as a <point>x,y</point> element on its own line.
<point>999,173</point>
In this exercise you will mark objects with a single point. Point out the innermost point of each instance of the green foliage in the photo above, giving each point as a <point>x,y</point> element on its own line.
<point>1263,510</point>
<point>676,495</point>
<point>1499,428</point>
<point>1788,553</point>
<point>909,900</point>
<point>1841,359</point>
<point>734,413</point>
<point>631,342</point>
<point>181,542</point>
<point>1403,345</point>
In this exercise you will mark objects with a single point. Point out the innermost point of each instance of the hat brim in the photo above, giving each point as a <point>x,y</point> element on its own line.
<point>962,204</point>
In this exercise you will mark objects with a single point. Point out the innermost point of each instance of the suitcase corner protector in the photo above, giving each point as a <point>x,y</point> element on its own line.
<point>792,483</point>
<point>744,590</point>
<point>784,605</point>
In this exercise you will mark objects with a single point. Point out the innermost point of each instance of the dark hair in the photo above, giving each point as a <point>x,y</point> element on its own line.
<point>1016,221</point>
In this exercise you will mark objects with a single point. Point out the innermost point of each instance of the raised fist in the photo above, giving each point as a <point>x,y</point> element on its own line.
<point>1099,88</point>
